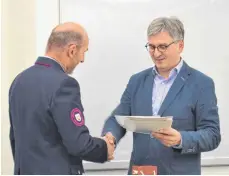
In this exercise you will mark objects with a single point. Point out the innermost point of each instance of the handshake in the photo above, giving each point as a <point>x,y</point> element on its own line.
<point>110,141</point>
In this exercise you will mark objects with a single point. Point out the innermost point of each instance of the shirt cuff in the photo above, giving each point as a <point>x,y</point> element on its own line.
<point>151,136</point>
<point>178,146</point>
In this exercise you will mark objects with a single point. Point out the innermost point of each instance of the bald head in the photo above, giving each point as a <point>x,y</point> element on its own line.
<point>67,44</point>
<point>66,33</point>
<point>69,26</point>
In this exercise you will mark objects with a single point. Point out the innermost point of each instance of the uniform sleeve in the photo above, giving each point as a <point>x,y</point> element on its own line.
<point>67,111</point>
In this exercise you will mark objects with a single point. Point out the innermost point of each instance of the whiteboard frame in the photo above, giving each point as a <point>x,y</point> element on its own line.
<point>44,31</point>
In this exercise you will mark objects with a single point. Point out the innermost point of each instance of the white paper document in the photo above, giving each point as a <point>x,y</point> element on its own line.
<point>144,124</point>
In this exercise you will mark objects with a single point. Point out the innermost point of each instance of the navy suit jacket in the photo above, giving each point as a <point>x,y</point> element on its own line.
<point>47,132</point>
<point>191,101</point>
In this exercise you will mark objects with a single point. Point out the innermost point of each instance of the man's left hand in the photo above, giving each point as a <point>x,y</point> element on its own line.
<point>169,137</point>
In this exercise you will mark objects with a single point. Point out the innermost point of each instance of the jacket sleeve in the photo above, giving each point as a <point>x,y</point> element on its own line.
<point>67,112</point>
<point>207,136</point>
<point>124,108</point>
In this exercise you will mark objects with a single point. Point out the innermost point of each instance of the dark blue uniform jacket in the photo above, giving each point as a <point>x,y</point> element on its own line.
<point>48,133</point>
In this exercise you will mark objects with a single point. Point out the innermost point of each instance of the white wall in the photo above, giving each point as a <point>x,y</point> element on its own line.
<point>47,17</point>
<point>26,25</point>
<point>18,52</point>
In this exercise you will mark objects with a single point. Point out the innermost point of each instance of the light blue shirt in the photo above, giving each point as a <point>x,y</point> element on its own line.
<point>161,87</point>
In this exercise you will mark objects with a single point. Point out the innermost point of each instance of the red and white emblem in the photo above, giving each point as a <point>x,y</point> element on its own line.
<point>77,117</point>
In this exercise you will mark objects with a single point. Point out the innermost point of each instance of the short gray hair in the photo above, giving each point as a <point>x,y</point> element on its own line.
<point>172,25</point>
<point>60,39</point>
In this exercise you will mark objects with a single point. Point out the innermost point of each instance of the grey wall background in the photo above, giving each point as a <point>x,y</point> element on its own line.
<point>117,32</point>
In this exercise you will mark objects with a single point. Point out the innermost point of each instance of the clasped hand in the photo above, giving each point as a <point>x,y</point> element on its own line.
<point>110,141</point>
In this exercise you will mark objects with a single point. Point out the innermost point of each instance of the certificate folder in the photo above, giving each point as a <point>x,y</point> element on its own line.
<point>144,124</point>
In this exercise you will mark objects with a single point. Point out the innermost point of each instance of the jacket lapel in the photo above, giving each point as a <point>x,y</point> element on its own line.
<point>147,94</point>
<point>175,88</point>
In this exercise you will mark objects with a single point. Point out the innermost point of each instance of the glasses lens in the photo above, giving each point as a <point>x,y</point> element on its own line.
<point>162,48</point>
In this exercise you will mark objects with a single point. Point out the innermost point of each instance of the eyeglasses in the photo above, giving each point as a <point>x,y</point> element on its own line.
<point>161,48</point>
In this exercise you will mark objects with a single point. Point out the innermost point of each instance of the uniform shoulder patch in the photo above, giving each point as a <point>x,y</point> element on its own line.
<point>77,117</point>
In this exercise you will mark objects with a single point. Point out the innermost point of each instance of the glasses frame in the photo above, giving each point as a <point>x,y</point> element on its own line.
<point>157,47</point>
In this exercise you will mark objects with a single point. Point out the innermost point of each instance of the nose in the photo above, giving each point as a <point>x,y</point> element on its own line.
<point>82,58</point>
<point>156,53</point>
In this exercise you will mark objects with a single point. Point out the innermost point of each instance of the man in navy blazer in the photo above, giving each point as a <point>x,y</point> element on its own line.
<point>170,88</point>
<point>48,133</point>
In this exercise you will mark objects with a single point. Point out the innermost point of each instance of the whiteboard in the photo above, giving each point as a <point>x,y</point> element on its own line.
<point>117,32</point>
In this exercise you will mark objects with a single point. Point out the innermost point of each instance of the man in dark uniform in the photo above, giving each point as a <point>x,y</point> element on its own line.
<point>48,134</point>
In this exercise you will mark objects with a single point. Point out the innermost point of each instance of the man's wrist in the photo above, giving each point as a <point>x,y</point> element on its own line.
<point>179,145</point>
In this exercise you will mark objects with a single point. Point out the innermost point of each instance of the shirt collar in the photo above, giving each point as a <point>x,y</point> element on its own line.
<point>176,69</point>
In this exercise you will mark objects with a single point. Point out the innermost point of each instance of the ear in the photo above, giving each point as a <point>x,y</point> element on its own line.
<point>72,50</point>
<point>181,45</point>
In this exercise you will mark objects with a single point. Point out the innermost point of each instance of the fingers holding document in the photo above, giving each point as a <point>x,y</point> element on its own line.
<point>169,136</point>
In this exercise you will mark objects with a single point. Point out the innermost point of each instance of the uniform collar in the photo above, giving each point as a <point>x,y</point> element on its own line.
<point>49,62</point>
